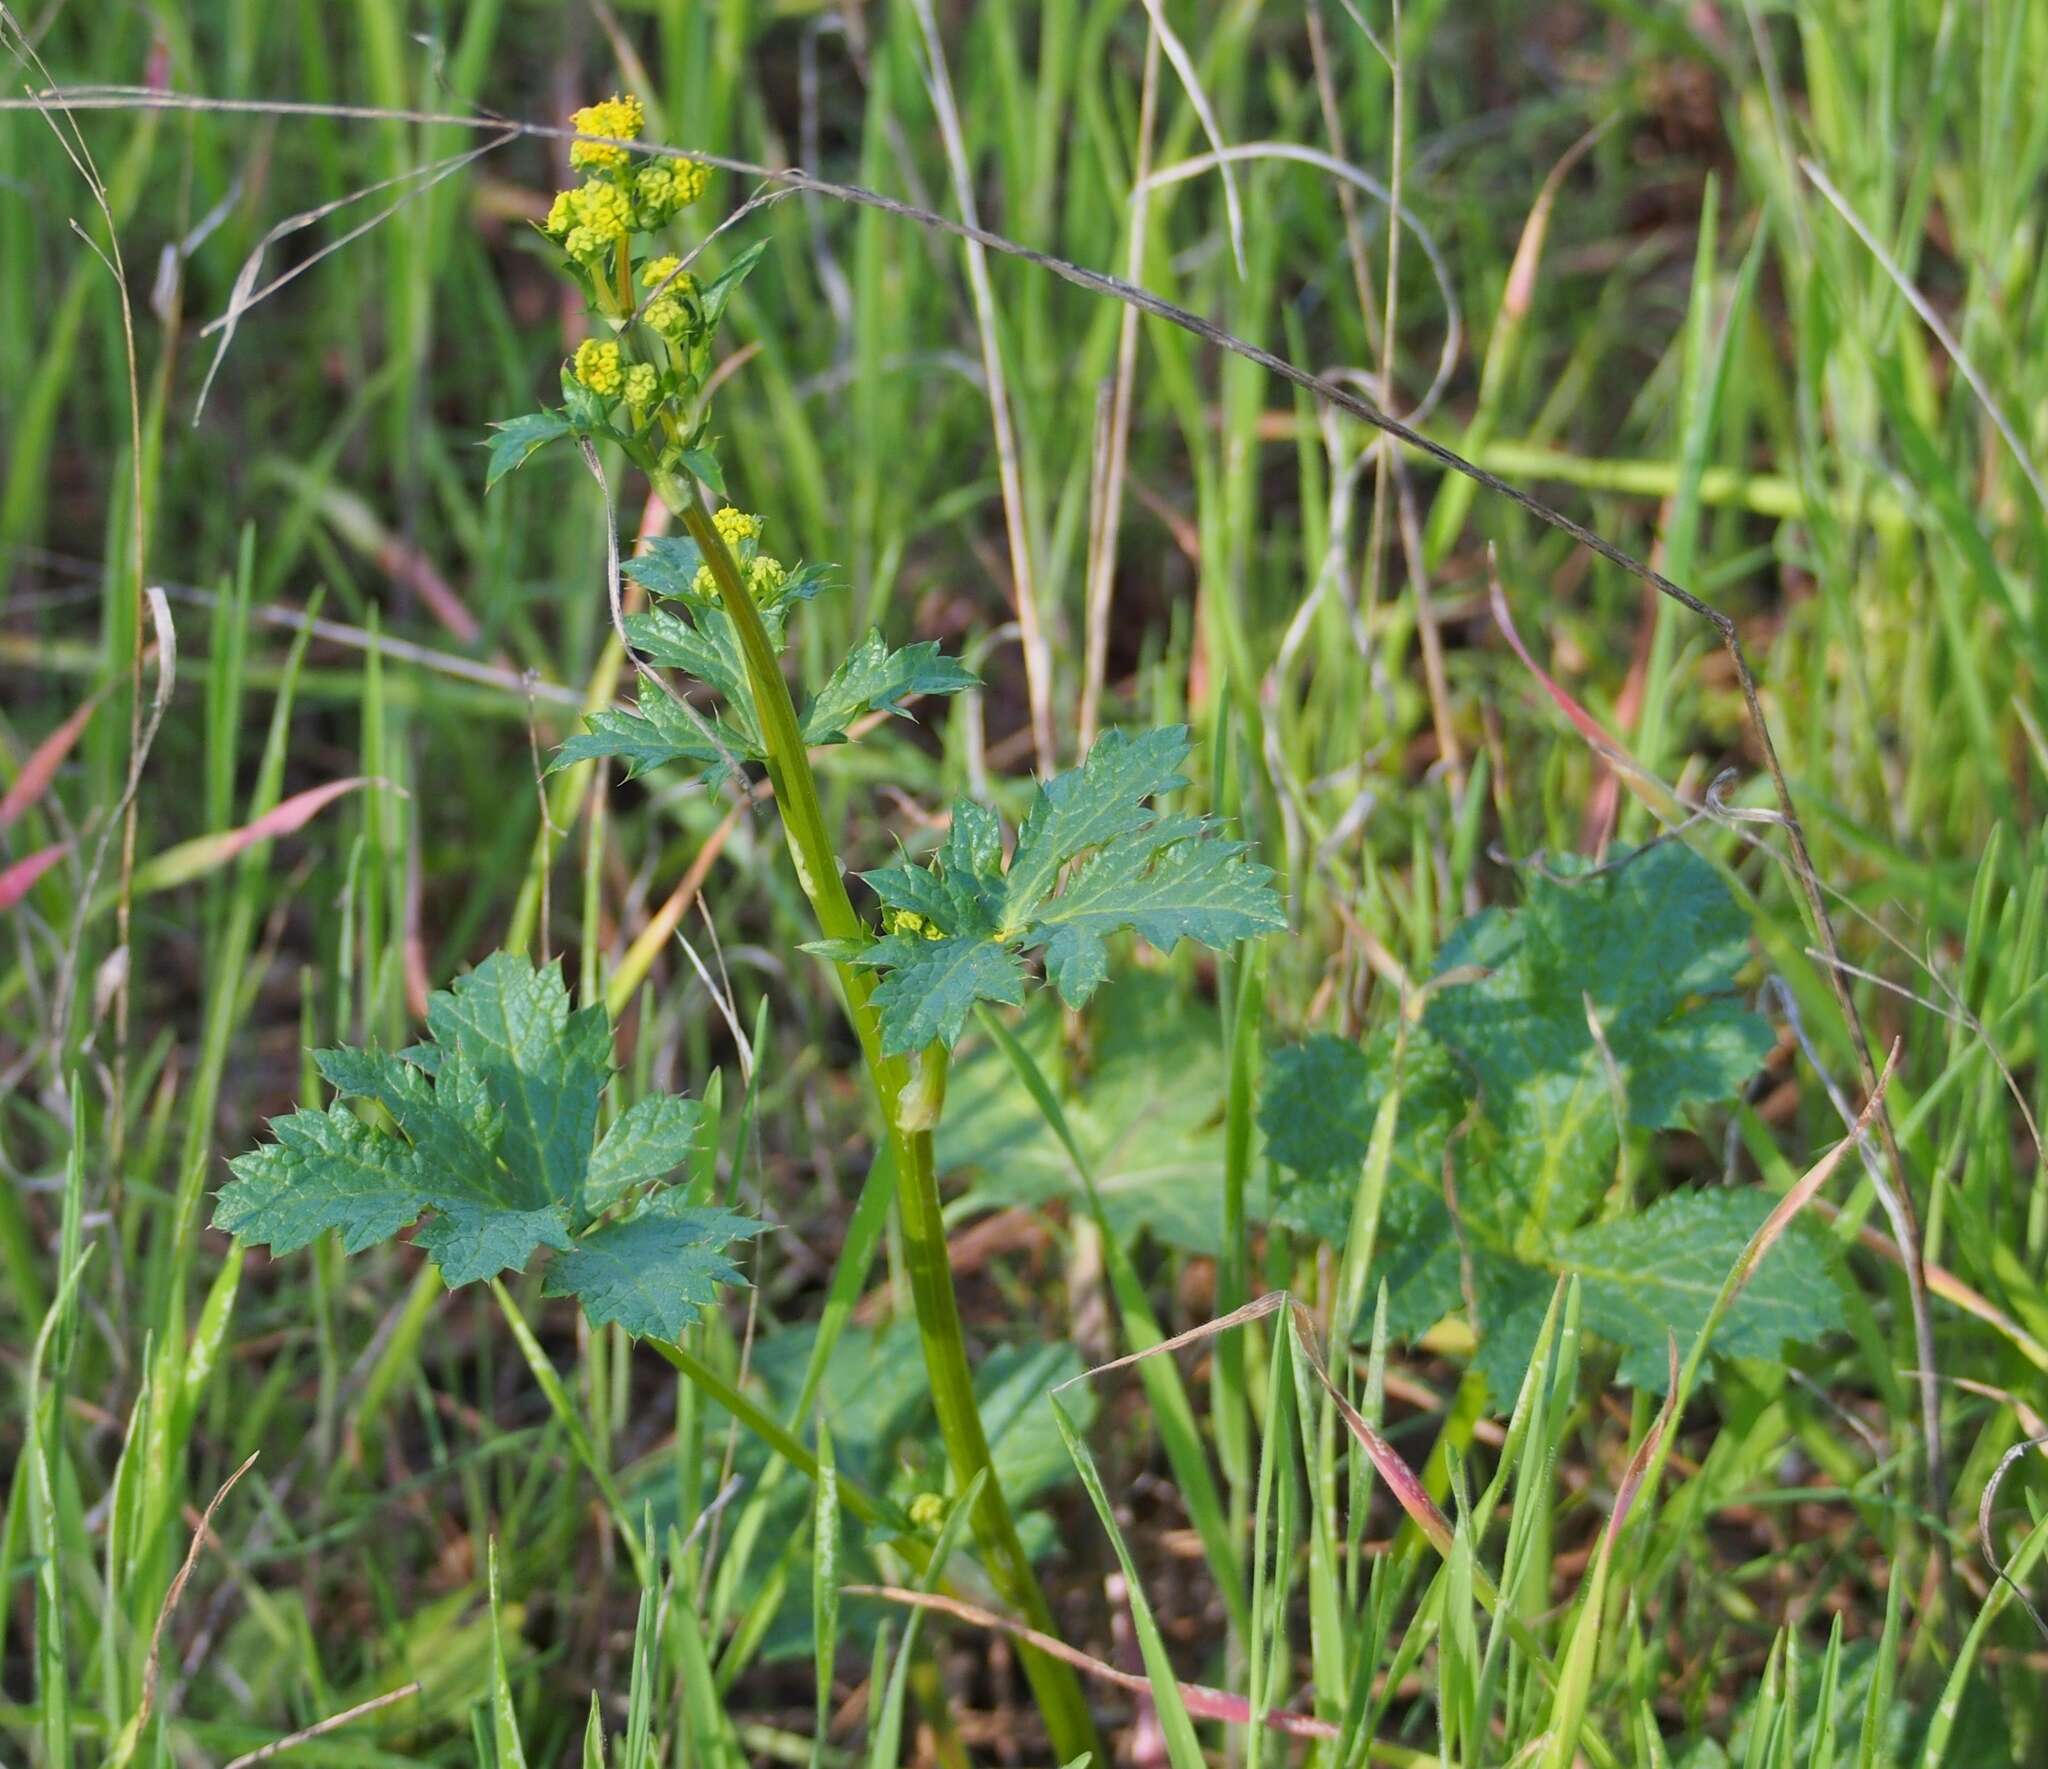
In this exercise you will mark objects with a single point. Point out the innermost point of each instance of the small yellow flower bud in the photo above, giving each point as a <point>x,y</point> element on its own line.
<point>655,193</point>
<point>666,316</point>
<point>643,386</point>
<point>928,1511</point>
<point>603,208</point>
<point>561,214</point>
<point>620,118</point>
<point>598,367</point>
<point>735,526</point>
<point>765,577</point>
<point>656,271</point>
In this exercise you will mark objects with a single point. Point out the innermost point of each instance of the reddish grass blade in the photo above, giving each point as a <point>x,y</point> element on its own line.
<point>17,880</point>
<point>42,765</point>
<point>1203,1702</point>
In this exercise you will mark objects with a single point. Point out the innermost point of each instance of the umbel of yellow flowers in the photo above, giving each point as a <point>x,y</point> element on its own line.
<point>742,533</point>
<point>656,360</point>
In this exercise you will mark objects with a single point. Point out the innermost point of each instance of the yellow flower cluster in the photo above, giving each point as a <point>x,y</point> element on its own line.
<point>765,576</point>
<point>598,367</point>
<point>666,187</point>
<point>735,526</point>
<point>616,200</point>
<point>666,313</point>
<point>594,223</point>
<point>643,386</point>
<point>620,118</point>
<point>907,922</point>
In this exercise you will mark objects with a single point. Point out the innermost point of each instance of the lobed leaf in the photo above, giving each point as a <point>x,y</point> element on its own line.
<point>1648,951</point>
<point>873,678</point>
<point>326,1170</point>
<point>491,1129</point>
<point>516,440</point>
<point>545,1067</point>
<point>932,986</point>
<point>1168,878</point>
<point>651,1272</point>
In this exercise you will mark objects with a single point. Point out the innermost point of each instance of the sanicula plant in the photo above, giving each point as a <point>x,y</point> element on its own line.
<point>1530,1088</point>
<point>496,1117</point>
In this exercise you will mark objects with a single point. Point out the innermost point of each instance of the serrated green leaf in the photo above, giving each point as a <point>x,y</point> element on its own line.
<point>659,733</point>
<point>648,1141</point>
<point>932,985</point>
<point>544,1065</point>
<point>872,677</point>
<point>1660,1271</point>
<point>1317,1112</point>
<point>517,439</point>
<point>471,1242</point>
<point>326,1170</point>
<point>492,1131</point>
<point>1085,807</point>
<point>1321,1101</point>
<point>1167,878</point>
<point>652,1271</point>
<point>1653,946</point>
<point>1168,882</point>
<point>451,1122</point>
<point>667,567</point>
<point>709,652</point>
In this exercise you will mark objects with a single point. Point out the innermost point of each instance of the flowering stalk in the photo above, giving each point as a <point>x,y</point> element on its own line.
<point>909,1091</point>
<point>640,383</point>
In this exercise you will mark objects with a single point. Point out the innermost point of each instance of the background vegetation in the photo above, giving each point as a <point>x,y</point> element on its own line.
<point>1753,291</point>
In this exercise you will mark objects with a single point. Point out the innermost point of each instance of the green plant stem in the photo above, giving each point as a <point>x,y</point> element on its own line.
<point>908,1092</point>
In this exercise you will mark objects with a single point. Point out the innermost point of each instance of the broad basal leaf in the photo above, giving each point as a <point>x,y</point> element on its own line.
<point>1648,953</point>
<point>1661,1271</point>
<point>490,1128</point>
<point>1321,1100</point>
<point>1168,878</point>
